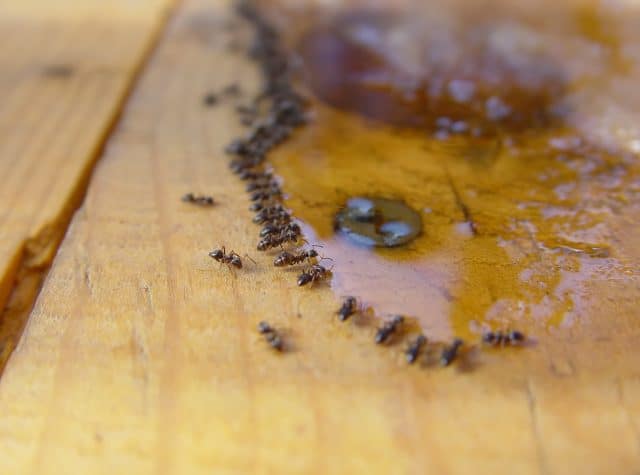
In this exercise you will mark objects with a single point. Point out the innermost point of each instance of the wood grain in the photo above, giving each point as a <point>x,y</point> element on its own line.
<point>65,69</point>
<point>141,354</point>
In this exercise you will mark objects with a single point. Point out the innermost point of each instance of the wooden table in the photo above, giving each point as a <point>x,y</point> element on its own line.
<point>141,356</point>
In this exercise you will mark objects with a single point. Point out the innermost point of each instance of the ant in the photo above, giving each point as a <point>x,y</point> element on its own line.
<point>348,308</point>
<point>315,273</point>
<point>388,329</point>
<point>251,175</point>
<point>232,89</point>
<point>232,259</point>
<point>266,194</point>
<point>271,335</point>
<point>414,348</point>
<point>274,240</point>
<point>198,200</point>
<point>274,228</point>
<point>511,337</point>
<point>450,352</point>
<point>286,258</point>
<point>272,213</point>
<point>261,184</point>
<point>210,99</point>
<point>244,164</point>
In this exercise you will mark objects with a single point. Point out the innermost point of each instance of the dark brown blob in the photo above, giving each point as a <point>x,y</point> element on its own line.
<point>232,89</point>
<point>210,99</point>
<point>58,71</point>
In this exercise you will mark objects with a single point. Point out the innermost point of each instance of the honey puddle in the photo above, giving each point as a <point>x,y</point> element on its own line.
<point>529,219</point>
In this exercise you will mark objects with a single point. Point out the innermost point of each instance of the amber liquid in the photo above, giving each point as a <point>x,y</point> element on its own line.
<point>526,217</point>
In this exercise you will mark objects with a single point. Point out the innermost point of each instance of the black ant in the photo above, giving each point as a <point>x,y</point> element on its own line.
<point>286,258</point>
<point>413,350</point>
<point>511,337</point>
<point>198,200</point>
<point>313,274</point>
<point>275,228</point>
<point>271,335</point>
<point>232,259</point>
<point>450,352</point>
<point>272,213</point>
<point>252,175</point>
<point>260,184</point>
<point>274,240</point>
<point>210,99</point>
<point>388,329</point>
<point>348,308</point>
<point>280,220</point>
<point>266,194</point>
<point>241,165</point>
<point>246,110</point>
<point>232,89</point>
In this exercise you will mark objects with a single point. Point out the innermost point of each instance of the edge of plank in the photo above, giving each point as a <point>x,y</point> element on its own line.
<point>29,266</point>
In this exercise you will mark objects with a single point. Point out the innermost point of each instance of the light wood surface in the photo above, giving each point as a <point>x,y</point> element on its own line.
<point>141,354</point>
<point>65,68</point>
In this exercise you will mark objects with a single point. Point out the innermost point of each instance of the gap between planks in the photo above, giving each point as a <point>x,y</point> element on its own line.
<point>31,262</point>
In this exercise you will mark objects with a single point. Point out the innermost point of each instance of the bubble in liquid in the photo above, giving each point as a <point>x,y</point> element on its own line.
<point>373,221</point>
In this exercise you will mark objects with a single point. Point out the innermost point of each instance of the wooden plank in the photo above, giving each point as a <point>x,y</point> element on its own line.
<point>65,68</point>
<point>142,353</point>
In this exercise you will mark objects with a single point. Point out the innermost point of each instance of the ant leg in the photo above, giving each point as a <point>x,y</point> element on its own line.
<point>322,258</point>
<point>232,270</point>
